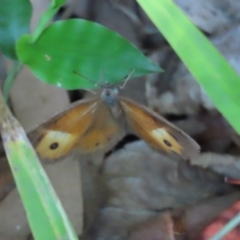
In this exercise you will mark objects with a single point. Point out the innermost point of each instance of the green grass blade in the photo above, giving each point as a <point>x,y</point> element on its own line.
<point>203,60</point>
<point>45,214</point>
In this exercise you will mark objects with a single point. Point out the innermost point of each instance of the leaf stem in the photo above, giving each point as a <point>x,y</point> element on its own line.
<point>17,66</point>
<point>46,18</point>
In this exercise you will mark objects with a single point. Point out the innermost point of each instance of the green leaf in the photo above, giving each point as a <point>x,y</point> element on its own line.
<point>15,17</point>
<point>203,60</point>
<point>70,48</point>
<point>44,211</point>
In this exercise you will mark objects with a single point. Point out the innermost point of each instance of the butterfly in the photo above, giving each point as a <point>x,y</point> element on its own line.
<point>100,122</point>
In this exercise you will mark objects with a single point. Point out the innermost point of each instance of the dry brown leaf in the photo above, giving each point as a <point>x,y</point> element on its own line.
<point>137,184</point>
<point>224,164</point>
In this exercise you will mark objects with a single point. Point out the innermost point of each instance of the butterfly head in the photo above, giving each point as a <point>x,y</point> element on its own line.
<point>109,95</point>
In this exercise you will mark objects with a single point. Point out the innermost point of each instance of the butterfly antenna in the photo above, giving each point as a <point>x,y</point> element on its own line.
<point>127,78</point>
<point>86,78</point>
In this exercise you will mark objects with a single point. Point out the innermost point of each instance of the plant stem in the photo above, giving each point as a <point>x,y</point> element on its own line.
<point>17,66</point>
<point>46,18</point>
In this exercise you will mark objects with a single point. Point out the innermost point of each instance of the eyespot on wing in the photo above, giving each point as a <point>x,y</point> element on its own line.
<point>157,131</point>
<point>57,137</point>
<point>55,145</point>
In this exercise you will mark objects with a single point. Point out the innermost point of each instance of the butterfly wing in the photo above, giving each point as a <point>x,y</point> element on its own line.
<point>56,138</point>
<point>103,132</point>
<point>87,125</point>
<point>158,132</point>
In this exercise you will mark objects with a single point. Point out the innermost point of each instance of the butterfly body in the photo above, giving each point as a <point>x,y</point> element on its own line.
<point>110,97</point>
<point>99,123</point>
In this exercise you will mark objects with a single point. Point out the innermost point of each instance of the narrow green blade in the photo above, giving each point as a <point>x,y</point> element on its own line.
<point>44,211</point>
<point>203,60</point>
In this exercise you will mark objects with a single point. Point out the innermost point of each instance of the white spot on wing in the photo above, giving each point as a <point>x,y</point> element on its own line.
<point>161,136</point>
<point>59,136</point>
<point>159,133</point>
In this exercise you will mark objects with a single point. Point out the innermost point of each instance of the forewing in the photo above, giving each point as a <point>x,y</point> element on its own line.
<point>56,138</point>
<point>158,132</point>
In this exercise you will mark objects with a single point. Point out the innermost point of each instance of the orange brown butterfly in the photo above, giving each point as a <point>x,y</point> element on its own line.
<point>100,122</point>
